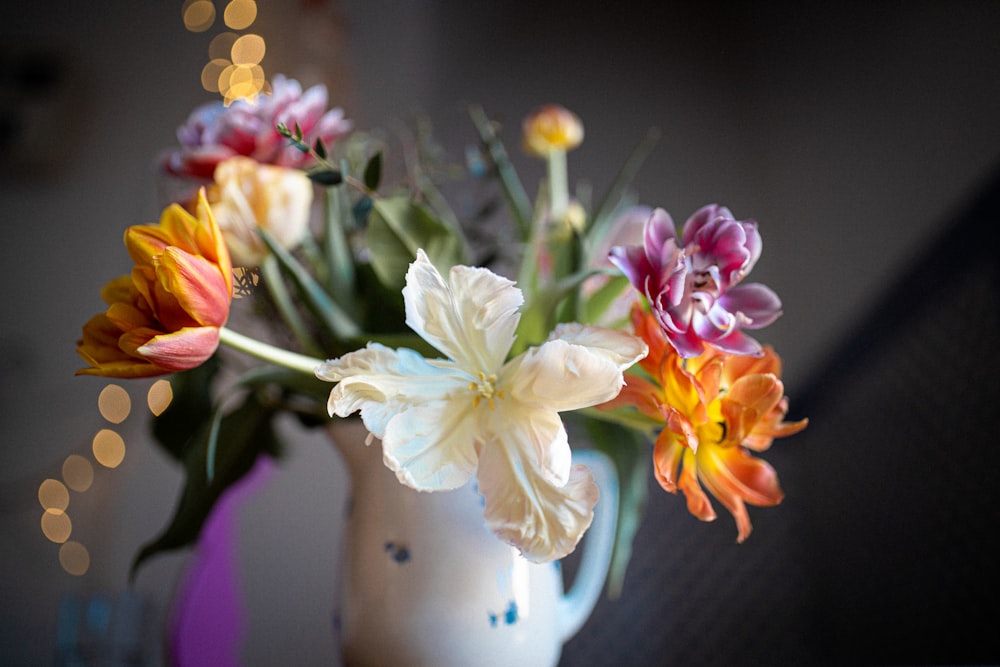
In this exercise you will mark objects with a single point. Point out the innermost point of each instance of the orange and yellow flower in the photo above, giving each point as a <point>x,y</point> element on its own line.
<point>716,409</point>
<point>166,315</point>
<point>551,128</point>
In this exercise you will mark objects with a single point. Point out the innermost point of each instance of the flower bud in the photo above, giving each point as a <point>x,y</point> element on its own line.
<point>551,128</point>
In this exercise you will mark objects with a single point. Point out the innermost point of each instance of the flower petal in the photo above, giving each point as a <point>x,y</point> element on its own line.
<point>431,447</point>
<point>698,503</point>
<point>620,348</point>
<point>179,350</point>
<point>561,376</point>
<point>381,382</point>
<point>757,304</point>
<point>535,433</point>
<point>747,402</point>
<point>471,318</point>
<point>545,522</point>
<point>197,285</point>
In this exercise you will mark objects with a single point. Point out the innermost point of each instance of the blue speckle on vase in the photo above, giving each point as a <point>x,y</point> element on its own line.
<point>398,552</point>
<point>510,616</point>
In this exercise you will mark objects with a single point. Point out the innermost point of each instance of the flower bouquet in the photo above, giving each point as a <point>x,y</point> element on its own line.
<point>472,341</point>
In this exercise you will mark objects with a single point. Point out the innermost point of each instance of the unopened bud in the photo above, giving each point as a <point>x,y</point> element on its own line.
<point>551,127</point>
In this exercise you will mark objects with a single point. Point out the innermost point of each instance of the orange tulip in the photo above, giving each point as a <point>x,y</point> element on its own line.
<point>715,409</point>
<point>166,315</point>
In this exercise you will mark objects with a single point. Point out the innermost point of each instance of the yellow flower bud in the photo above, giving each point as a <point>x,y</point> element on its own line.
<point>550,128</point>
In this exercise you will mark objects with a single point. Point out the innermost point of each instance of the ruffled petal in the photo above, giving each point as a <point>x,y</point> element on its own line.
<point>381,382</point>
<point>561,376</point>
<point>535,433</point>
<point>471,318</point>
<point>543,521</point>
<point>667,453</point>
<point>431,447</point>
<point>179,350</point>
<point>620,348</point>
<point>698,503</point>
<point>631,261</point>
<point>757,304</point>
<point>747,402</point>
<point>733,471</point>
<point>658,233</point>
<point>196,284</point>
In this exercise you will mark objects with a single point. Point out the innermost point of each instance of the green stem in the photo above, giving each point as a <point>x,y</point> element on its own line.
<point>517,198</point>
<point>558,186</point>
<point>269,353</point>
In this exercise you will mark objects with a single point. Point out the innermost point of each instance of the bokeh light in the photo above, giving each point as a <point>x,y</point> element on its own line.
<point>241,81</point>
<point>109,448</point>
<point>53,495</point>
<point>77,472</point>
<point>199,15</point>
<point>114,403</point>
<point>159,396</point>
<point>221,45</point>
<point>240,14</point>
<point>56,525</point>
<point>248,50</point>
<point>212,72</point>
<point>74,558</point>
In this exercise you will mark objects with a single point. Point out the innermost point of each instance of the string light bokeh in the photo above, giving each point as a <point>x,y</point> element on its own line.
<point>114,403</point>
<point>234,68</point>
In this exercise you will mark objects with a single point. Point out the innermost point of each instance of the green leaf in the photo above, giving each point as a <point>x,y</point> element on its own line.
<point>397,228</point>
<point>191,404</point>
<point>339,259</point>
<point>598,303</point>
<point>244,434</point>
<point>373,172</point>
<point>336,319</point>
<point>324,175</point>
<point>319,149</point>
<point>510,183</point>
<point>600,222</point>
<point>631,454</point>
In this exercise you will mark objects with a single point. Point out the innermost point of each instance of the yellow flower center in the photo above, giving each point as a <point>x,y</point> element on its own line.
<point>485,388</point>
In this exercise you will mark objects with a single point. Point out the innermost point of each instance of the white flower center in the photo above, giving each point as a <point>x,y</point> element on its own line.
<point>485,388</point>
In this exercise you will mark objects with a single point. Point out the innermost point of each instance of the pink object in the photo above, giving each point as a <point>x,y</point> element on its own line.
<point>208,624</point>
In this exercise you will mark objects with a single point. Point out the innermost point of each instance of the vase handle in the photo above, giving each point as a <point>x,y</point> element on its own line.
<point>577,604</point>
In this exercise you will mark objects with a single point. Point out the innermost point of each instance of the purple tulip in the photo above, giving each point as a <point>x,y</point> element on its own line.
<point>692,286</point>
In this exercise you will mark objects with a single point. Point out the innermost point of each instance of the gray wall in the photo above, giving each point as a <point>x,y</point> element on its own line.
<point>850,133</point>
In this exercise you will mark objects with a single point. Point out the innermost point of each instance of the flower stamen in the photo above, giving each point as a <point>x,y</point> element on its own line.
<point>485,388</point>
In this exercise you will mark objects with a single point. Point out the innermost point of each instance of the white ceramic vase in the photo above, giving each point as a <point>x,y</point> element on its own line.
<point>424,583</point>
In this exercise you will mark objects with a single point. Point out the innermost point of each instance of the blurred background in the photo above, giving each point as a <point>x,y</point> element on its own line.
<point>863,137</point>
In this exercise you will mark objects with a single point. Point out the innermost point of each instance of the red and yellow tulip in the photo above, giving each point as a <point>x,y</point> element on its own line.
<point>166,315</point>
<point>716,409</point>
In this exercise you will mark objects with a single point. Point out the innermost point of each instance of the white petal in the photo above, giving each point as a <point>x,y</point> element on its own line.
<point>471,318</point>
<point>545,522</point>
<point>536,434</point>
<point>381,382</point>
<point>561,376</point>
<point>432,447</point>
<point>621,348</point>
